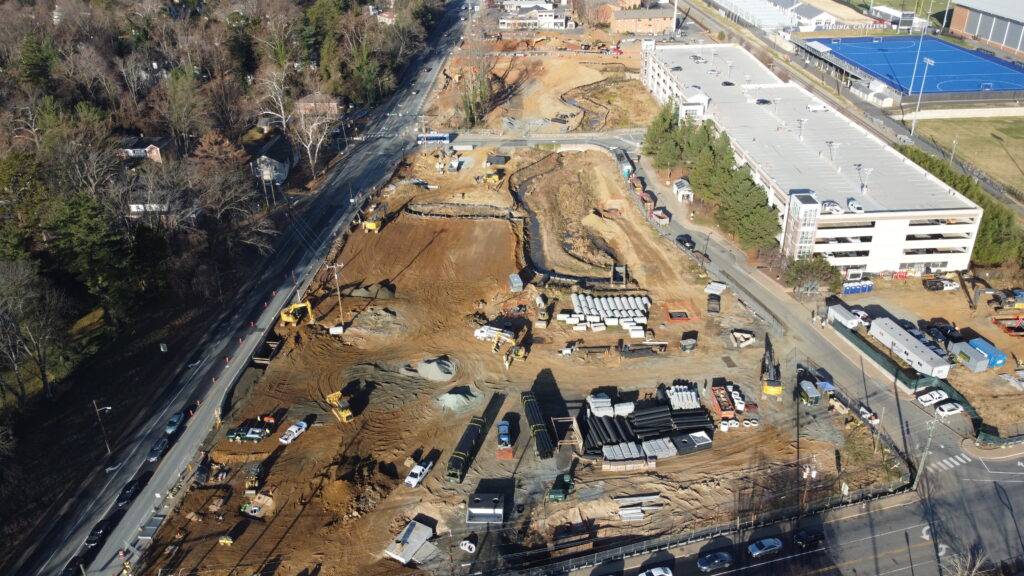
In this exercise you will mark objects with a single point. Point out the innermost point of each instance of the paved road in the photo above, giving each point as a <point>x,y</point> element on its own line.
<point>296,256</point>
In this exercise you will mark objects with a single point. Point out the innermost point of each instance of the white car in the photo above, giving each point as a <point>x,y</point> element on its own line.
<point>948,409</point>
<point>865,318</point>
<point>950,285</point>
<point>854,206</point>
<point>932,398</point>
<point>737,401</point>
<point>293,432</point>
<point>418,473</point>
<point>659,571</point>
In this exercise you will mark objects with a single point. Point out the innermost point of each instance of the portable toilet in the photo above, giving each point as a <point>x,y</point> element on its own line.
<point>809,393</point>
<point>515,283</point>
<point>996,357</point>
<point>969,356</point>
<point>871,285</point>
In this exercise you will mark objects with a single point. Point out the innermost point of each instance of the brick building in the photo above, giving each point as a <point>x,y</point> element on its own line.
<point>996,23</point>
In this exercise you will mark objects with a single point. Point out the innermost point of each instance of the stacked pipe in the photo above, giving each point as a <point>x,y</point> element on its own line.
<point>541,438</point>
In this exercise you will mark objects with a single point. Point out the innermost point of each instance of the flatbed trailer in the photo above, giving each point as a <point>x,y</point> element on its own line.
<point>722,402</point>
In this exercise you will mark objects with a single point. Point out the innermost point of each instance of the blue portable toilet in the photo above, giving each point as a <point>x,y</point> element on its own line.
<point>996,357</point>
<point>871,285</point>
<point>859,288</point>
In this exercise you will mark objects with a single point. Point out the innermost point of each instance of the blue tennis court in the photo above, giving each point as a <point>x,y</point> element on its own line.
<point>891,60</point>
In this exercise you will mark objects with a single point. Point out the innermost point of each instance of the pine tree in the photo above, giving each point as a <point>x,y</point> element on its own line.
<point>37,57</point>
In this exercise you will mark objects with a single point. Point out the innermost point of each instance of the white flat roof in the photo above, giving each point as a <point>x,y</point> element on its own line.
<point>760,13</point>
<point>770,135</point>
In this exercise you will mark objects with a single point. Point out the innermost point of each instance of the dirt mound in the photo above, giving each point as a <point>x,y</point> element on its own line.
<point>357,485</point>
<point>440,369</point>
<point>376,321</point>
<point>460,399</point>
<point>377,291</point>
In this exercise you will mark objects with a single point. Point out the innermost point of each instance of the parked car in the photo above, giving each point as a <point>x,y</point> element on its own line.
<point>728,83</point>
<point>99,533</point>
<point>932,398</point>
<point>174,423</point>
<point>865,318</point>
<point>808,539</point>
<point>831,207</point>
<point>157,452</point>
<point>854,206</point>
<point>951,333</point>
<point>764,548</point>
<point>940,285</point>
<point>685,242</point>
<point>714,561</point>
<point>677,69</point>
<point>74,567</point>
<point>293,432</point>
<point>657,571</point>
<point>948,409</point>
<point>762,102</point>
<point>418,473</point>
<point>129,492</point>
<point>202,474</point>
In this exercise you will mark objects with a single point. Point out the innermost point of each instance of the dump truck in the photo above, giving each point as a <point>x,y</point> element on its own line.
<point>661,216</point>
<point>505,450</point>
<point>459,462</point>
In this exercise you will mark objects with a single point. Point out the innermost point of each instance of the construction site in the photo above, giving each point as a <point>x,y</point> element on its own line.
<point>507,323</point>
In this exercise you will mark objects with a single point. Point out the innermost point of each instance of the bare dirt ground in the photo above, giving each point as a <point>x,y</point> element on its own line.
<point>586,91</point>
<point>995,400</point>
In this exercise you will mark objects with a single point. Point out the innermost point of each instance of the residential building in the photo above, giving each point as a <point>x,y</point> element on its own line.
<point>534,19</point>
<point>514,6</point>
<point>274,162</point>
<point>649,21</point>
<point>318,103</point>
<point>155,148</point>
<point>840,191</point>
<point>995,23</point>
<point>387,17</point>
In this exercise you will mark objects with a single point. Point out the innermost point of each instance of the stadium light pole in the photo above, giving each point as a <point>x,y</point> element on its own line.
<point>917,58</point>
<point>945,15</point>
<point>927,64</point>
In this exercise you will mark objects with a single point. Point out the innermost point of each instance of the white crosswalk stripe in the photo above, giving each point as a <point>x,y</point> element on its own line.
<point>948,463</point>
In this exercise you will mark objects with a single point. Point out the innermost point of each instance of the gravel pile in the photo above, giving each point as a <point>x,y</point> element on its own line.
<point>440,369</point>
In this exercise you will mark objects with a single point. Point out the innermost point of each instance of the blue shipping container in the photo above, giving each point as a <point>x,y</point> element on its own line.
<point>996,357</point>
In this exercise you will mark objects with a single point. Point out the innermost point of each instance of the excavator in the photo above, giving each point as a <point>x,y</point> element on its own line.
<point>375,218</point>
<point>340,407</point>
<point>517,351</point>
<point>289,318</point>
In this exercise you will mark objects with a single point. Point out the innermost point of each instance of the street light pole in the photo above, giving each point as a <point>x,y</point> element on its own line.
<point>920,92</point>
<point>337,287</point>
<point>103,429</point>
<point>953,153</point>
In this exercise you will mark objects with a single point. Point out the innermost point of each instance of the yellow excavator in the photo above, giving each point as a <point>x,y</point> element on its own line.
<point>340,407</point>
<point>375,218</point>
<point>289,316</point>
<point>517,351</point>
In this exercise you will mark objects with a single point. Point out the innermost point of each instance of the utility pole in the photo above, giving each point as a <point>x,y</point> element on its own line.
<point>103,430</point>
<point>337,287</point>
<point>924,456</point>
<point>953,153</point>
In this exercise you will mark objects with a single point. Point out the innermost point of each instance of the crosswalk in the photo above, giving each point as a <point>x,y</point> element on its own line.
<point>949,463</point>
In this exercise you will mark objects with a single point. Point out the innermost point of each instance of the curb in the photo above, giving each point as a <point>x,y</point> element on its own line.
<point>1002,453</point>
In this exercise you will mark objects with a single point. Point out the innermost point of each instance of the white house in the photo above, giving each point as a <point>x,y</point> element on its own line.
<point>810,18</point>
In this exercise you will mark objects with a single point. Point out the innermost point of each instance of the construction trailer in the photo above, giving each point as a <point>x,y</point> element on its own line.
<point>809,393</point>
<point>538,428</point>
<point>907,348</point>
<point>996,357</point>
<point>968,356</point>
<point>458,463</point>
<point>771,379</point>
<point>838,314</point>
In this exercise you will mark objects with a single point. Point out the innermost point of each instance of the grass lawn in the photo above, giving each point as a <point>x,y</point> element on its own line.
<point>995,145</point>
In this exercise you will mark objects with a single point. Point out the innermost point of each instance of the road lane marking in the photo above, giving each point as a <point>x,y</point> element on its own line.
<point>869,558</point>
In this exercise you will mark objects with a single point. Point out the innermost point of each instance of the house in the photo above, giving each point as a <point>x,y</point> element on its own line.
<point>514,6</point>
<point>534,18</point>
<point>153,148</point>
<point>274,162</point>
<point>317,103</point>
<point>651,21</point>
<point>387,17</point>
<point>813,18</point>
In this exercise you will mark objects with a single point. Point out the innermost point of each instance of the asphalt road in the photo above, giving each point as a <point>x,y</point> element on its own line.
<point>366,165</point>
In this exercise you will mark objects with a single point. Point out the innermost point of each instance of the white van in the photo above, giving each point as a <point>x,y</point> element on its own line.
<point>817,108</point>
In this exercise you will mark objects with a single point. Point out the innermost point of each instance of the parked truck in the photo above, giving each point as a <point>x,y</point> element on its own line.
<point>458,464</point>
<point>505,451</point>
<point>252,430</point>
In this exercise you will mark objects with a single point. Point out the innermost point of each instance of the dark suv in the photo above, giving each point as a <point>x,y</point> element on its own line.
<point>129,492</point>
<point>685,242</point>
<point>808,539</point>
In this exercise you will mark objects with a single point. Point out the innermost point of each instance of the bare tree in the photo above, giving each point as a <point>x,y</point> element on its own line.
<point>135,73</point>
<point>40,312</point>
<point>311,129</point>
<point>274,100</point>
<point>969,563</point>
<point>183,107</point>
<point>12,357</point>
<point>277,38</point>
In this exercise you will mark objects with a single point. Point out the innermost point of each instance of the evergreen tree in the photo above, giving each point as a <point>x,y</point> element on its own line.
<point>23,198</point>
<point>38,54</point>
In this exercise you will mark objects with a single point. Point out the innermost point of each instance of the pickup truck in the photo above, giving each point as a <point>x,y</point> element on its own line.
<point>248,432</point>
<point>714,303</point>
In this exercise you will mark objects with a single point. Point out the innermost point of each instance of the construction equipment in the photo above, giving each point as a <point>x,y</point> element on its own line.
<point>458,464</point>
<point>374,219</point>
<point>259,506</point>
<point>517,351</point>
<point>505,451</point>
<point>771,381</point>
<point>543,316</point>
<point>289,318</point>
<point>562,488</point>
<point>340,407</point>
<point>493,177</point>
<point>253,472</point>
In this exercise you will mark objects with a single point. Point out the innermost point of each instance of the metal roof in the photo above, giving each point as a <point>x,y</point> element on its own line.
<point>1009,9</point>
<point>643,14</point>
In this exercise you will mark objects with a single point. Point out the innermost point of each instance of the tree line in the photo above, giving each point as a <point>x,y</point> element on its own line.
<point>740,206</point>
<point>78,79</point>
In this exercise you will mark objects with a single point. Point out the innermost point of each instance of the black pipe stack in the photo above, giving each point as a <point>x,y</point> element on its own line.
<point>538,429</point>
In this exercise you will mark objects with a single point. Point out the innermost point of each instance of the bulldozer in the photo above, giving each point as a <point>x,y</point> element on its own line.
<point>340,407</point>
<point>289,318</point>
<point>562,488</point>
<point>374,220</point>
